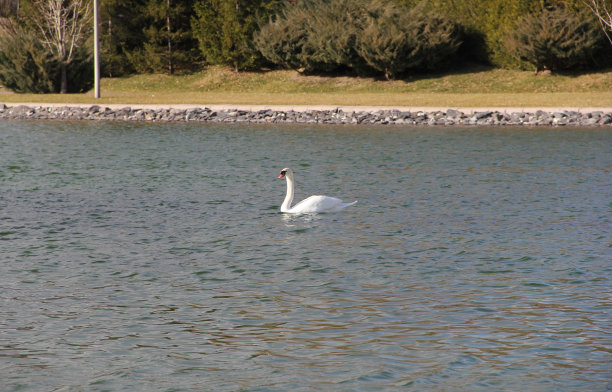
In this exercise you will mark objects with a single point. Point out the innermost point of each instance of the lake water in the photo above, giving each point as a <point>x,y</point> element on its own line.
<point>152,257</point>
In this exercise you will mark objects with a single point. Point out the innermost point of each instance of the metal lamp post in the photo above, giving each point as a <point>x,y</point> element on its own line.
<point>96,53</point>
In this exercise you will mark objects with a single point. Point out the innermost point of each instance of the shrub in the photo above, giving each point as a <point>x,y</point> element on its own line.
<point>361,35</point>
<point>80,71</point>
<point>333,29</point>
<point>395,40</point>
<point>554,40</point>
<point>26,66</point>
<point>314,36</point>
<point>485,23</point>
<point>224,30</point>
<point>281,41</point>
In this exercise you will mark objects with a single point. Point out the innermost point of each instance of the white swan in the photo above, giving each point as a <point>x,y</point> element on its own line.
<point>314,203</point>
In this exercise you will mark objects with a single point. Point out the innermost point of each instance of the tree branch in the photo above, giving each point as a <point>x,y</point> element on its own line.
<point>603,14</point>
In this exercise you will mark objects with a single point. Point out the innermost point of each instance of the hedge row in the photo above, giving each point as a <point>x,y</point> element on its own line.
<point>360,35</point>
<point>381,36</point>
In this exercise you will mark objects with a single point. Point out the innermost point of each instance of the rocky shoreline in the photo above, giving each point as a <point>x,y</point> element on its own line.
<point>450,117</point>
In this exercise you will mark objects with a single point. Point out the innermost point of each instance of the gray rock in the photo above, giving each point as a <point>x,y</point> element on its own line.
<point>451,117</point>
<point>20,110</point>
<point>453,113</point>
<point>590,121</point>
<point>481,115</point>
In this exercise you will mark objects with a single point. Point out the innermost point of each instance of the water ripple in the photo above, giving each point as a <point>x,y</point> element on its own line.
<point>153,257</point>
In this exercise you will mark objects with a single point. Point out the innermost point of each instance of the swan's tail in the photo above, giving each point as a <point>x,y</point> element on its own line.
<point>349,204</point>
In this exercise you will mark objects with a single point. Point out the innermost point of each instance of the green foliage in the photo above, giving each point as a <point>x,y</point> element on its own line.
<point>147,36</point>
<point>224,30</point>
<point>395,40</point>
<point>485,22</point>
<point>281,41</point>
<point>333,28</point>
<point>120,33</point>
<point>554,39</point>
<point>80,71</point>
<point>361,35</point>
<point>168,41</point>
<point>314,36</point>
<point>26,66</point>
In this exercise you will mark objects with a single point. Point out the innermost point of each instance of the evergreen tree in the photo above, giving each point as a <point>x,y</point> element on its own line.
<point>168,42</point>
<point>333,28</point>
<point>25,64</point>
<point>282,39</point>
<point>121,33</point>
<point>224,29</point>
<point>28,66</point>
<point>554,39</point>
<point>395,39</point>
<point>323,35</point>
<point>315,36</point>
<point>484,23</point>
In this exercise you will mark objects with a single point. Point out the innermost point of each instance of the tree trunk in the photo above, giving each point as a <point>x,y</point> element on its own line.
<point>170,62</point>
<point>64,82</point>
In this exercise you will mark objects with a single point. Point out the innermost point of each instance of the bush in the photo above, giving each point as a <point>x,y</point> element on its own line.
<point>282,40</point>
<point>360,35</point>
<point>485,23</point>
<point>333,29</point>
<point>224,30</point>
<point>315,36</point>
<point>554,40</point>
<point>26,66</point>
<point>395,40</point>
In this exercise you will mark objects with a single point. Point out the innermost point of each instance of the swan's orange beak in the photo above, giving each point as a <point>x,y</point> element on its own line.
<point>281,175</point>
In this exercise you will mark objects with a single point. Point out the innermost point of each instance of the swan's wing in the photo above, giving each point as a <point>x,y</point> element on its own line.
<point>318,203</point>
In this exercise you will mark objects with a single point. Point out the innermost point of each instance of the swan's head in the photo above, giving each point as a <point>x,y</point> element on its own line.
<point>285,172</point>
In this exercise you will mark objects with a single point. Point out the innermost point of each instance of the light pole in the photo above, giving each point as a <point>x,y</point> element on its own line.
<point>96,53</point>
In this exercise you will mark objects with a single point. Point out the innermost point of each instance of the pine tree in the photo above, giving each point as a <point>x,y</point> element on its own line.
<point>361,35</point>
<point>282,39</point>
<point>121,33</point>
<point>25,64</point>
<point>314,36</point>
<point>554,39</point>
<point>28,66</point>
<point>396,39</point>
<point>168,42</point>
<point>224,29</point>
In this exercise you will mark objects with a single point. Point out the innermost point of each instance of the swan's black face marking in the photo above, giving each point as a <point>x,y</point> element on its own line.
<point>282,173</point>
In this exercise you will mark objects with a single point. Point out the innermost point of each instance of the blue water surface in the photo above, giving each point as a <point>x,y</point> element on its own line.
<point>153,257</point>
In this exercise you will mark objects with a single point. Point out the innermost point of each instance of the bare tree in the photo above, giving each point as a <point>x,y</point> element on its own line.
<point>604,15</point>
<point>64,25</point>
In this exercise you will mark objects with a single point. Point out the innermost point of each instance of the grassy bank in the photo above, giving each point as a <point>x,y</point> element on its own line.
<point>475,87</point>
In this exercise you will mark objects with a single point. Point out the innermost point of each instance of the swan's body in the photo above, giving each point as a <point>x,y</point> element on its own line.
<point>316,203</point>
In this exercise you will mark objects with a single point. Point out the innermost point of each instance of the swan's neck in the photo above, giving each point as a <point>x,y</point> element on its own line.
<point>286,206</point>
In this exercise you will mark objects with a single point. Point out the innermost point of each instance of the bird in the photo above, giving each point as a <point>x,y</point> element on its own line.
<point>313,204</point>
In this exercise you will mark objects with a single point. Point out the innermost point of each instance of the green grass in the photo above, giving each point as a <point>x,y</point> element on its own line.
<point>474,87</point>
